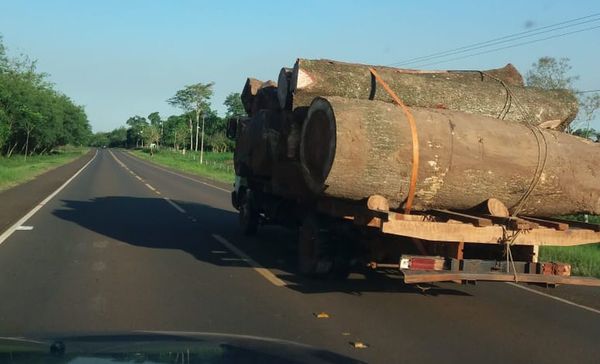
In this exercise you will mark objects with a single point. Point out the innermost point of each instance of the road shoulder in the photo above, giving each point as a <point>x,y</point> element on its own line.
<point>18,200</point>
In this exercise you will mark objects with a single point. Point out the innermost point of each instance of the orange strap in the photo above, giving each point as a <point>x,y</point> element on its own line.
<point>415,140</point>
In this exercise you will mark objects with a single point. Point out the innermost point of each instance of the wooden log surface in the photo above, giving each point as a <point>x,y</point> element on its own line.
<point>353,149</point>
<point>249,92</point>
<point>469,91</point>
<point>257,144</point>
<point>283,89</point>
<point>266,98</point>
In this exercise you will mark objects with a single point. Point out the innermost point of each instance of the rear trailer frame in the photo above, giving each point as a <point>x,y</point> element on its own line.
<point>454,229</point>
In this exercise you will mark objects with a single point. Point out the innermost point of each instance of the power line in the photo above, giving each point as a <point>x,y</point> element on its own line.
<point>509,46</point>
<point>510,40</point>
<point>503,39</point>
<point>587,91</point>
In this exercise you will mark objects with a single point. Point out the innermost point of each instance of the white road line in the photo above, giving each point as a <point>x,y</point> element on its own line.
<point>24,228</point>
<point>267,274</point>
<point>117,160</point>
<point>554,298</point>
<point>22,220</point>
<point>234,260</point>
<point>180,175</point>
<point>138,177</point>
<point>176,206</point>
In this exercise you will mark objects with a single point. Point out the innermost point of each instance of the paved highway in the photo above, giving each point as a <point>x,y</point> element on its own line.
<point>127,245</point>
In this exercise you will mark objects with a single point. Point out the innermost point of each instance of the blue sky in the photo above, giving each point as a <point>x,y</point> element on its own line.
<point>122,58</point>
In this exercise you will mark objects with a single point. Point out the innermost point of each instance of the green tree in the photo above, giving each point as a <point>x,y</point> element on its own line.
<point>195,98</point>
<point>233,103</point>
<point>551,73</point>
<point>183,100</point>
<point>99,139</point>
<point>176,131</point>
<point>117,138</point>
<point>156,121</point>
<point>137,126</point>
<point>589,106</point>
<point>151,134</point>
<point>34,117</point>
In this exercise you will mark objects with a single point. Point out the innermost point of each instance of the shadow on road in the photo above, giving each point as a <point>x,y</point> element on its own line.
<point>153,223</point>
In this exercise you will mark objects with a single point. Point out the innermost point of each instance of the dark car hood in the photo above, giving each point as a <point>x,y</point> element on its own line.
<point>160,347</point>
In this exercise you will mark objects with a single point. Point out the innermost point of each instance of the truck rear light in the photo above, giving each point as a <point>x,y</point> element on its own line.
<point>422,263</point>
<point>556,269</point>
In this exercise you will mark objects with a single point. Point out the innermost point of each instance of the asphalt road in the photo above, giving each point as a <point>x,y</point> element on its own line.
<point>130,246</point>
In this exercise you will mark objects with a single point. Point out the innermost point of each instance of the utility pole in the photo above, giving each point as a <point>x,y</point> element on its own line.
<point>202,141</point>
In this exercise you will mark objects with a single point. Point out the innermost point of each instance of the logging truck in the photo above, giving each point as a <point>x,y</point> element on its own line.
<point>434,193</point>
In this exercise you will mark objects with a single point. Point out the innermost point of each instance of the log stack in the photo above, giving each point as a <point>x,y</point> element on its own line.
<point>328,128</point>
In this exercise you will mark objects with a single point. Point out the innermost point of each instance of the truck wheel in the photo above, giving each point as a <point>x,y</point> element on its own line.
<point>234,200</point>
<point>314,258</point>
<point>249,216</point>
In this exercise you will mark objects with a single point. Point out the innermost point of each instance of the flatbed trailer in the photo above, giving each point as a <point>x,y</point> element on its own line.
<point>518,237</point>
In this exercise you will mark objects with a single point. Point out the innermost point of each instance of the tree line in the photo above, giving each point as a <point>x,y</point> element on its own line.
<point>34,116</point>
<point>197,128</point>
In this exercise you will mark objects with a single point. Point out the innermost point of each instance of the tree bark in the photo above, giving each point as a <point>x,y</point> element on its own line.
<point>283,88</point>
<point>469,91</point>
<point>11,150</point>
<point>27,144</point>
<point>197,130</point>
<point>191,132</point>
<point>201,143</point>
<point>249,92</point>
<point>266,98</point>
<point>353,149</point>
<point>258,144</point>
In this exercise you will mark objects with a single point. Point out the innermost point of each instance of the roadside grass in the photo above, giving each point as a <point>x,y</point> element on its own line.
<point>16,170</point>
<point>216,166</point>
<point>584,259</point>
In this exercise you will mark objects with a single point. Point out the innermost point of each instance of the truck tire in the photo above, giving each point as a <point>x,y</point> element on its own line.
<point>249,216</point>
<point>314,251</point>
<point>234,200</point>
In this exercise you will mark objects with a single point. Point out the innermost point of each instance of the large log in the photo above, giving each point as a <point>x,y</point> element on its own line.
<point>266,98</point>
<point>283,90</point>
<point>468,91</point>
<point>257,95</point>
<point>249,92</point>
<point>258,144</point>
<point>353,149</point>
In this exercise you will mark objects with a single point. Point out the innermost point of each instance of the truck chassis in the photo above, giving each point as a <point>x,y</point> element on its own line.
<point>431,246</point>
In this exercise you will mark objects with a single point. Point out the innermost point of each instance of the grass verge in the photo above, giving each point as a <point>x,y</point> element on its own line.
<point>216,166</point>
<point>16,170</point>
<point>584,259</point>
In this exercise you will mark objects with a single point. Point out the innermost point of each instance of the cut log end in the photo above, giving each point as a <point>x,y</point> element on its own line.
<point>283,90</point>
<point>249,91</point>
<point>493,207</point>
<point>378,203</point>
<point>317,146</point>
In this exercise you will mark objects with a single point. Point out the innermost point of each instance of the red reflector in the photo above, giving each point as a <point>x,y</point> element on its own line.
<point>422,264</point>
